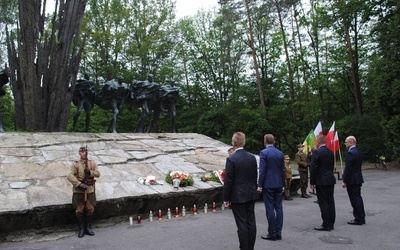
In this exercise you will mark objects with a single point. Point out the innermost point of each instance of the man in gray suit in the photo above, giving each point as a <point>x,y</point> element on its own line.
<point>321,177</point>
<point>353,180</point>
<point>240,190</point>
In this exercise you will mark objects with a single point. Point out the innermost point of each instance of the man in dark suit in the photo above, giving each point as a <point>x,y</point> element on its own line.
<point>353,180</point>
<point>321,177</point>
<point>240,190</point>
<point>271,182</point>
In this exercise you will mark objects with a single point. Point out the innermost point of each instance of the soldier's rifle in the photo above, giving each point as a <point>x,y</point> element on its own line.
<point>85,178</point>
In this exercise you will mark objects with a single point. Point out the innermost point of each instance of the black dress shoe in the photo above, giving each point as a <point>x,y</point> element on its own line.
<point>279,237</point>
<point>268,237</point>
<point>322,228</point>
<point>354,222</point>
<point>288,199</point>
<point>305,196</point>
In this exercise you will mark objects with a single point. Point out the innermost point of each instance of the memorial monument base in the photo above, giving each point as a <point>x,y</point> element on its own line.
<point>35,192</point>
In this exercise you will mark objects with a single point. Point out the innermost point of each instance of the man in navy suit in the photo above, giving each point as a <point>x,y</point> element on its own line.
<point>240,190</point>
<point>353,180</point>
<point>321,177</point>
<point>271,182</point>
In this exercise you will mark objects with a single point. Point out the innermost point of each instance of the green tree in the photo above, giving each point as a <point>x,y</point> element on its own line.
<point>44,57</point>
<point>384,77</point>
<point>212,55</point>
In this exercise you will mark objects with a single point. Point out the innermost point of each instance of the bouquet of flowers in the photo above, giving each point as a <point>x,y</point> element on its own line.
<point>216,176</point>
<point>185,178</point>
<point>148,180</point>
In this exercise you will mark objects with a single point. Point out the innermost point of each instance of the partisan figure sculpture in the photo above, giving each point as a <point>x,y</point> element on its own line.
<point>148,95</point>
<point>154,97</point>
<point>111,96</point>
<point>168,96</point>
<point>83,98</point>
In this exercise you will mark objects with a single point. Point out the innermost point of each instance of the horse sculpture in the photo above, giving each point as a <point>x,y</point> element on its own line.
<point>152,96</point>
<point>168,95</point>
<point>3,81</point>
<point>110,97</point>
<point>83,98</point>
<point>145,94</point>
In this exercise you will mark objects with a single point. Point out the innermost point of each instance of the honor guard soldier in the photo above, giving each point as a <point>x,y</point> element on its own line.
<point>81,175</point>
<point>303,163</point>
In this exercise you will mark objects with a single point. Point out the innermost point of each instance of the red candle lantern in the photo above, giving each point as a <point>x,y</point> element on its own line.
<point>159,215</point>
<point>194,209</point>
<point>214,207</point>
<point>176,212</point>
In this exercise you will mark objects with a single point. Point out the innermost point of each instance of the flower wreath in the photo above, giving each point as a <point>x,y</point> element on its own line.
<point>185,178</point>
<point>216,176</point>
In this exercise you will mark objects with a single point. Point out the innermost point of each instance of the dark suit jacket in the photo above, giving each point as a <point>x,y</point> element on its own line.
<point>272,168</point>
<point>352,172</point>
<point>321,169</point>
<point>240,184</point>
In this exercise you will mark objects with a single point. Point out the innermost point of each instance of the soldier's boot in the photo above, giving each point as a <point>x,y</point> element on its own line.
<point>287,195</point>
<point>81,223</point>
<point>88,225</point>
<point>304,193</point>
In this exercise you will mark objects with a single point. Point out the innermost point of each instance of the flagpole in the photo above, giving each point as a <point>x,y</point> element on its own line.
<point>341,164</point>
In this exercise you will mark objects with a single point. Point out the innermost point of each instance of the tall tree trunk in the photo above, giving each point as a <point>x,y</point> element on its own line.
<point>304,63</point>
<point>353,58</point>
<point>44,64</point>
<point>289,66</point>
<point>253,51</point>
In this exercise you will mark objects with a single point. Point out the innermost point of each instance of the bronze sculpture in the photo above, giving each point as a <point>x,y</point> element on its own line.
<point>110,97</point>
<point>148,95</point>
<point>152,96</point>
<point>83,98</point>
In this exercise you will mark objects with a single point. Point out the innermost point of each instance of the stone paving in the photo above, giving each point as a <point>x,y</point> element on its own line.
<point>34,166</point>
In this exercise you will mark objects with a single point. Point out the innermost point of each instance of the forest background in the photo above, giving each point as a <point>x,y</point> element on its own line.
<point>316,60</point>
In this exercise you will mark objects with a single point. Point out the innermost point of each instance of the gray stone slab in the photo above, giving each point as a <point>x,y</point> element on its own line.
<point>44,196</point>
<point>144,155</point>
<point>19,185</point>
<point>105,190</point>
<point>20,171</point>
<point>13,200</point>
<point>132,188</point>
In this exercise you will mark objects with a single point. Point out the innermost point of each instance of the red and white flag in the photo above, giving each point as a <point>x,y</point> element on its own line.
<point>318,129</point>
<point>336,143</point>
<point>332,139</point>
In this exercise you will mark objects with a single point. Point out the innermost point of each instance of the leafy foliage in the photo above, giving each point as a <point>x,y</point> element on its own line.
<point>319,61</point>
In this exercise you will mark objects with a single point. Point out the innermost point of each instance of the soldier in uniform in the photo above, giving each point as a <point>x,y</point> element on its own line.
<point>288,178</point>
<point>303,163</point>
<point>81,175</point>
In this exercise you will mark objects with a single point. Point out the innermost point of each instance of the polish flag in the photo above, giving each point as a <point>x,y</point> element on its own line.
<point>336,143</point>
<point>330,139</point>
<point>318,129</point>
